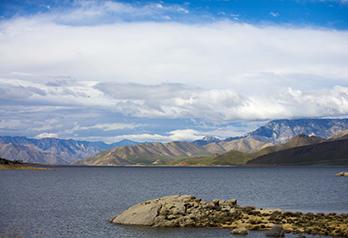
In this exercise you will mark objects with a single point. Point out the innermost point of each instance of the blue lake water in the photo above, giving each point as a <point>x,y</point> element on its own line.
<point>79,201</point>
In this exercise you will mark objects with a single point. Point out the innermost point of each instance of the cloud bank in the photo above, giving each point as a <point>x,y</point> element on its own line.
<point>111,78</point>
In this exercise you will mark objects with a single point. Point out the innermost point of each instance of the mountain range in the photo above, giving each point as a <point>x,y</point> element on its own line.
<point>274,137</point>
<point>52,150</point>
<point>280,131</point>
<point>235,157</point>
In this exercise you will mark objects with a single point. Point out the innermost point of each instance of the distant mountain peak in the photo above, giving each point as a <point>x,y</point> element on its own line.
<point>280,131</point>
<point>124,142</point>
<point>206,140</point>
<point>210,138</point>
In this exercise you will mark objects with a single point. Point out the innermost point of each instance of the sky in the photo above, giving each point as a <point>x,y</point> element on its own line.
<point>168,70</point>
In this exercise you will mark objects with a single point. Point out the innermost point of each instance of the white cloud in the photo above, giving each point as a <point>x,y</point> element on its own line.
<point>184,135</point>
<point>220,71</point>
<point>10,123</point>
<point>226,104</point>
<point>176,101</point>
<point>175,135</point>
<point>146,137</point>
<point>333,1</point>
<point>108,126</point>
<point>215,55</point>
<point>96,12</point>
<point>47,135</point>
<point>52,92</point>
<point>274,14</point>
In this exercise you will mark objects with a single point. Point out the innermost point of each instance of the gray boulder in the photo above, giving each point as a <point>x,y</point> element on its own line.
<point>179,210</point>
<point>146,212</point>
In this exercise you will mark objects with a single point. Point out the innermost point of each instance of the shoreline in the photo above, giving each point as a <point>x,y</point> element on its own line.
<point>21,167</point>
<point>195,166</point>
<point>32,166</point>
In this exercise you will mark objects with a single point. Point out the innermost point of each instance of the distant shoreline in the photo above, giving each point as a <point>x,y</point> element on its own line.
<point>21,167</point>
<point>186,166</point>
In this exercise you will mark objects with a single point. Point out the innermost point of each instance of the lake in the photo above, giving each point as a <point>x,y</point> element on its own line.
<point>79,201</point>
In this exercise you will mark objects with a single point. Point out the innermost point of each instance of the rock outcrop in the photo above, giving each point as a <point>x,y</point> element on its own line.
<point>189,211</point>
<point>178,210</point>
<point>342,174</point>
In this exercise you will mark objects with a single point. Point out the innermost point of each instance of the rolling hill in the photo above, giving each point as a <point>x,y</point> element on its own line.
<point>146,154</point>
<point>330,152</point>
<point>296,141</point>
<point>246,144</point>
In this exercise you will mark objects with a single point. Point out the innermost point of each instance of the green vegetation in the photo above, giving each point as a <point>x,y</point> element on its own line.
<point>17,165</point>
<point>233,158</point>
<point>20,167</point>
<point>190,161</point>
<point>230,158</point>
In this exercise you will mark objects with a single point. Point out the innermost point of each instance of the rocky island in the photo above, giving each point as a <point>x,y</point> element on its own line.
<point>189,211</point>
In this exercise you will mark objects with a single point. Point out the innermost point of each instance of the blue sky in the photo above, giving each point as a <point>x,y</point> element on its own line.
<point>321,13</point>
<point>168,70</point>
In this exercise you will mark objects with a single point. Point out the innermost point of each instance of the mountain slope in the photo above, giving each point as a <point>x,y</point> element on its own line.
<point>340,135</point>
<point>186,153</point>
<point>299,150</point>
<point>280,131</point>
<point>246,144</point>
<point>49,150</point>
<point>214,148</point>
<point>234,157</point>
<point>174,152</point>
<point>29,154</point>
<point>206,140</point>
<point>229,158</point>
<point>330,152</point>
<point>146,154</point>
<point>296,141</point>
